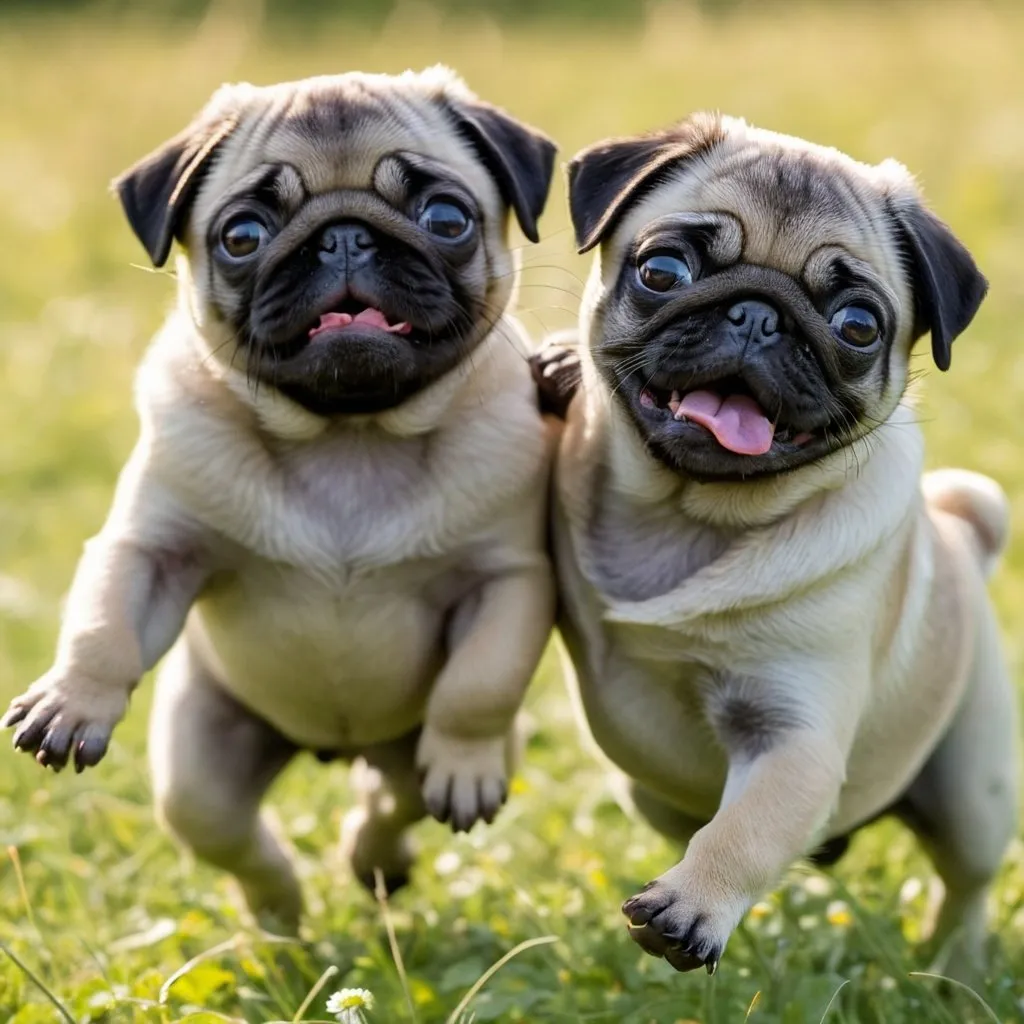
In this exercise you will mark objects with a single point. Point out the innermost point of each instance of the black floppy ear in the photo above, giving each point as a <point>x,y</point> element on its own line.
<point>606,177</point>
<point>948,286</point>
<point>519,158</point>
<point>157,192</point>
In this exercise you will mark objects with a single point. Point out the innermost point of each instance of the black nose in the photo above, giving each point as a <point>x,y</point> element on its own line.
<point>757,320</point>
<point>349,242</point>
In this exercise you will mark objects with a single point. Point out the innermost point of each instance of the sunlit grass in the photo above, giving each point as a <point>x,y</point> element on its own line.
<point>101,908</point>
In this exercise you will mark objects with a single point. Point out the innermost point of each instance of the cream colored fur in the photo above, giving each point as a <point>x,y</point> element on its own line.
<point>376,586</point>
<point>844,601</point>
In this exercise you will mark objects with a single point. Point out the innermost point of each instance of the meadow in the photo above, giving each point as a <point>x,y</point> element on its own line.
<point>103,914</point>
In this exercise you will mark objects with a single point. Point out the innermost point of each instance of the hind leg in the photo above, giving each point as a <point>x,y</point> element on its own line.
<point>211,762</point>
<point>963,805</point>
<point>374,833</point>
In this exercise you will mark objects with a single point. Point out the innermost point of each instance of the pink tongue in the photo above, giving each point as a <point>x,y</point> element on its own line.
<point>372,317</point>
<point>329,320</point>
<point>737,421</point>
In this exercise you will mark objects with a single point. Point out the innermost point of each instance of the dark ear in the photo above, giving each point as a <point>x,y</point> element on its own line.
<point>519,158</point>
<point>948,286</point>
<point>157,192</point>
<point>606,177</point>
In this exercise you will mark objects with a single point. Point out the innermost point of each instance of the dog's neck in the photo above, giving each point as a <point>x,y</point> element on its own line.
<point>642,531</point>
<point>286,420</point>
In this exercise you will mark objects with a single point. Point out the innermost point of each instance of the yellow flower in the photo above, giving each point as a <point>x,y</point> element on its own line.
<point>760,910</point>
<point>838,914</point>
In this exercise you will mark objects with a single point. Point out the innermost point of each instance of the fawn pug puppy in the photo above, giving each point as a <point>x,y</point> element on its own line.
<point>338,496</point>
<point>780,631</point>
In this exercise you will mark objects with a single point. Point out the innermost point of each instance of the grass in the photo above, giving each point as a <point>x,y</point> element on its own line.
<point>106,913</point>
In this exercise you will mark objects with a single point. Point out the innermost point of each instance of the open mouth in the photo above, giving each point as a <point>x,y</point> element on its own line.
<point>728,411</point>
<point>354,315</point>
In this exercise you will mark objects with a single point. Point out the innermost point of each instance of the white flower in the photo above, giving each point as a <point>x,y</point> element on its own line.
<point>910,890</point>
<point>447,863</point>
<point>347,1004</point>
<point>817,885</point>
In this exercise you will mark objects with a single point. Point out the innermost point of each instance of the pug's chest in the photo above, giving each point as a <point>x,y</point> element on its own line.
<point>352,504</point>
<point>332,661</point>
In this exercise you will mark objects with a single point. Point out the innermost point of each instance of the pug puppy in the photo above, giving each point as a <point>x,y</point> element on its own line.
<point>780,631</point>
<point>338,495</point>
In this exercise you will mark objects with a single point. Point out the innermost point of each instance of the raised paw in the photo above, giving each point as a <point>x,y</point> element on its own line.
<point>556,372</point>
<point>680,924</point>
<point>59,720</point>
<point>464,780</point>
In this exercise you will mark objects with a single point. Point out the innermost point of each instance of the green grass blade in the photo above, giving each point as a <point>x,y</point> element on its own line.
<point>314,992</point>
<point>958,984</point>
<point>38,982</point>
<point>542,940</point>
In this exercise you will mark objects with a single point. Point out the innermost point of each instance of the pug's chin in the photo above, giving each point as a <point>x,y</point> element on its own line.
<point>692,450</point>
<point>358,371</point>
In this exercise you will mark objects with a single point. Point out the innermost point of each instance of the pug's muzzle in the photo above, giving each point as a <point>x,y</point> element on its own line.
<point>358,315</point>
<point>738,376</point>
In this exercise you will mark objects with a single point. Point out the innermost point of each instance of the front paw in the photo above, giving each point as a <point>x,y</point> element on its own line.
<point>557,374</point>
<point>682,921</point>
<point>464,780</point>
<point>59,718</point>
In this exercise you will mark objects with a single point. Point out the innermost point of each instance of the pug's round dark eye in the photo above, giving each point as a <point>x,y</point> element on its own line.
<point>445,218</point>
<point>662,272</point>
<point>856,326</point>
<point>243,236</point>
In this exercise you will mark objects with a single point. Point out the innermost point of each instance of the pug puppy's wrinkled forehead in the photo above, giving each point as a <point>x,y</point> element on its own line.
<point>338,127</point>
<point>312,136</point>
<point>778,201</point>
<point>756,296</point>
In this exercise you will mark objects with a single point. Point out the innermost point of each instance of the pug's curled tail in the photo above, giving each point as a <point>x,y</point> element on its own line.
<point>980,502</point>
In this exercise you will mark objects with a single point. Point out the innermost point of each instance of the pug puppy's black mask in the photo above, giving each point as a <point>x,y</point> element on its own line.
<point>346,235</point>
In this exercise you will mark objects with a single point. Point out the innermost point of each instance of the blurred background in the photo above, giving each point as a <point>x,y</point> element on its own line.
<point>95,902</point>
